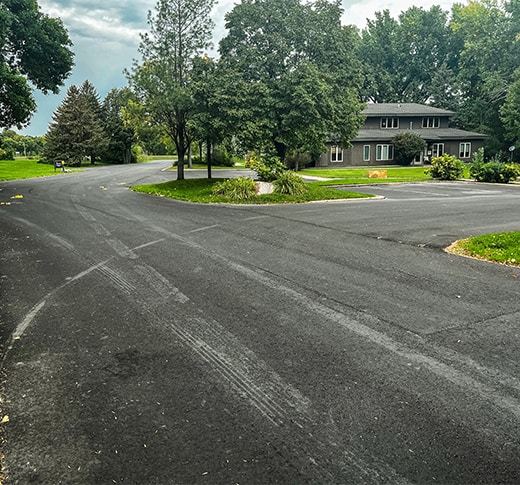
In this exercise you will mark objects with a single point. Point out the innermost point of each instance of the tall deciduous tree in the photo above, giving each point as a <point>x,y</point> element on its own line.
<point>207,125</point>
<point>76,131</point>
<point>34,48</point>
<point>295,75</point>
<point>180,30</point>
<point>484,34</point>
<point>403,57</point>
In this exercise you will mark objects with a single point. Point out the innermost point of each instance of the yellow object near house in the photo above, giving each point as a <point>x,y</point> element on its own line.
<point>377,174</point>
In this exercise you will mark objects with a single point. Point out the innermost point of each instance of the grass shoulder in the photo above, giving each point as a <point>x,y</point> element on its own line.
<point>502,248</point>
<point>24,168</point>
<point>201,191</point>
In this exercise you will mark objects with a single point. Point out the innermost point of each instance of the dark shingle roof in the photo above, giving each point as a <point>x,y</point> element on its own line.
<point>404,109</point>
<point>428,134</point>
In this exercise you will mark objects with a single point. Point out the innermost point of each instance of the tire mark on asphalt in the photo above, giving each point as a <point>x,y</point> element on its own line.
<point>112,275</point>
<point>476,385</point>
<point>117,278</point>
<point>151,278</point>
<point>297,424</point>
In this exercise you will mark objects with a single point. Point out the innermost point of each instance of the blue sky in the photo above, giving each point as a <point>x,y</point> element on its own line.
<point>106,36</point>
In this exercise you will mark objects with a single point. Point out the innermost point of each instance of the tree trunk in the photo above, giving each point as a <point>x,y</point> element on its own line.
<point>281,150</point>
<point>208,157</point>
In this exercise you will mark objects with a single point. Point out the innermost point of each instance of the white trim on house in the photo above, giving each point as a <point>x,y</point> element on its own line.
<point>384,152</point>
<point>336,154</point>
<point>465,150</point>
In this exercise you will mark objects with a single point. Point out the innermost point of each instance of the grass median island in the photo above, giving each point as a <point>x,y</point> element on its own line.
<point>503,248</point>
<point>200,190</point>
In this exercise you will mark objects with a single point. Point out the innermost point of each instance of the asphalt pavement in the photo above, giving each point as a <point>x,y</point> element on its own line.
<point>152,341</point>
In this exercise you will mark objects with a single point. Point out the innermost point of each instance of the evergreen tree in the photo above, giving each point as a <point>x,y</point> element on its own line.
<point>76,131</point>
<point>93,117</point>
<point>121,135</point>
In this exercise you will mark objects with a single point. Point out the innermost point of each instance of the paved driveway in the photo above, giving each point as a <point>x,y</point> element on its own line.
<point>153,341</point>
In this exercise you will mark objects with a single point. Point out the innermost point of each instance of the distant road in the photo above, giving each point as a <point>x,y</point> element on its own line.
<point>152,341</point>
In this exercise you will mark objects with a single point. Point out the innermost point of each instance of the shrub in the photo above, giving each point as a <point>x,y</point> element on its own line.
<point>298,161</point>
<point>289,183</point>
<point>495,172</point>
<point>446,167</point>
<point>6,154</point>
<point>236,189</point>
<point>268,168</point>
<point>407,146</point>
<point>221,158</point>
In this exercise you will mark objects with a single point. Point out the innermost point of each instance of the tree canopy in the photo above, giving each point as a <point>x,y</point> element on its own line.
<point>35,50</point>
<point>295,74</point>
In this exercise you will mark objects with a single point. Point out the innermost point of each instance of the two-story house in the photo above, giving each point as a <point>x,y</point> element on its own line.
<point>373,144</point>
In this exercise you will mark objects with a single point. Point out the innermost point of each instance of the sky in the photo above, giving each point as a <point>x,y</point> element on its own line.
<point>105,35</point>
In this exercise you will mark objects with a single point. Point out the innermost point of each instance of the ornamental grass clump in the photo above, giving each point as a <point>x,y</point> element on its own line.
<point>237,189</point>
<point>289,183</point>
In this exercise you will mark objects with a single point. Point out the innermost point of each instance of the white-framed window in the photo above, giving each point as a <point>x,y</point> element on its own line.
<point>384,152</point>
<point>336,154</point>
<point>465,150</point>
<point>390,123</point>
<point>437,149</point>
<point>431,122</point>
<point>366,153</point>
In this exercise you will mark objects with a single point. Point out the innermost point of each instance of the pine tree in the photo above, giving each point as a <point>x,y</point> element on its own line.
<point>121,136</point>
<point>76,131</point>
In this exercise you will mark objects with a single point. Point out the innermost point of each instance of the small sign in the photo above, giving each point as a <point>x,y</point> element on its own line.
<point>512,148</point>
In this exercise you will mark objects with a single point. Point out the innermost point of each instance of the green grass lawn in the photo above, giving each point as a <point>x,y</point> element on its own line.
<point>24,168</point>
<point>500,248</point>
<point>200,190</point>
<point>352,176</point>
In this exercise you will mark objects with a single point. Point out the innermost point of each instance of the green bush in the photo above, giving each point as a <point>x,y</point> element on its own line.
<point>268,168</point>
<point>407,146</point>
<point>221,158</point>
<point>289,183</point>
<point>236,189</point>
<point>6,154</point>
<point>446,167</point>
<point>494,172</point>
<point>298,161</point>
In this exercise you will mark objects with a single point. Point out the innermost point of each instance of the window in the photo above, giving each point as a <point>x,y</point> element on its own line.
<point>384,152</point>
<point>437,149</point>
<point>431,122</point>
<point>336,154</point>
<point>366,153</point>
<point>465,150</point>
<point>390,123</point>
